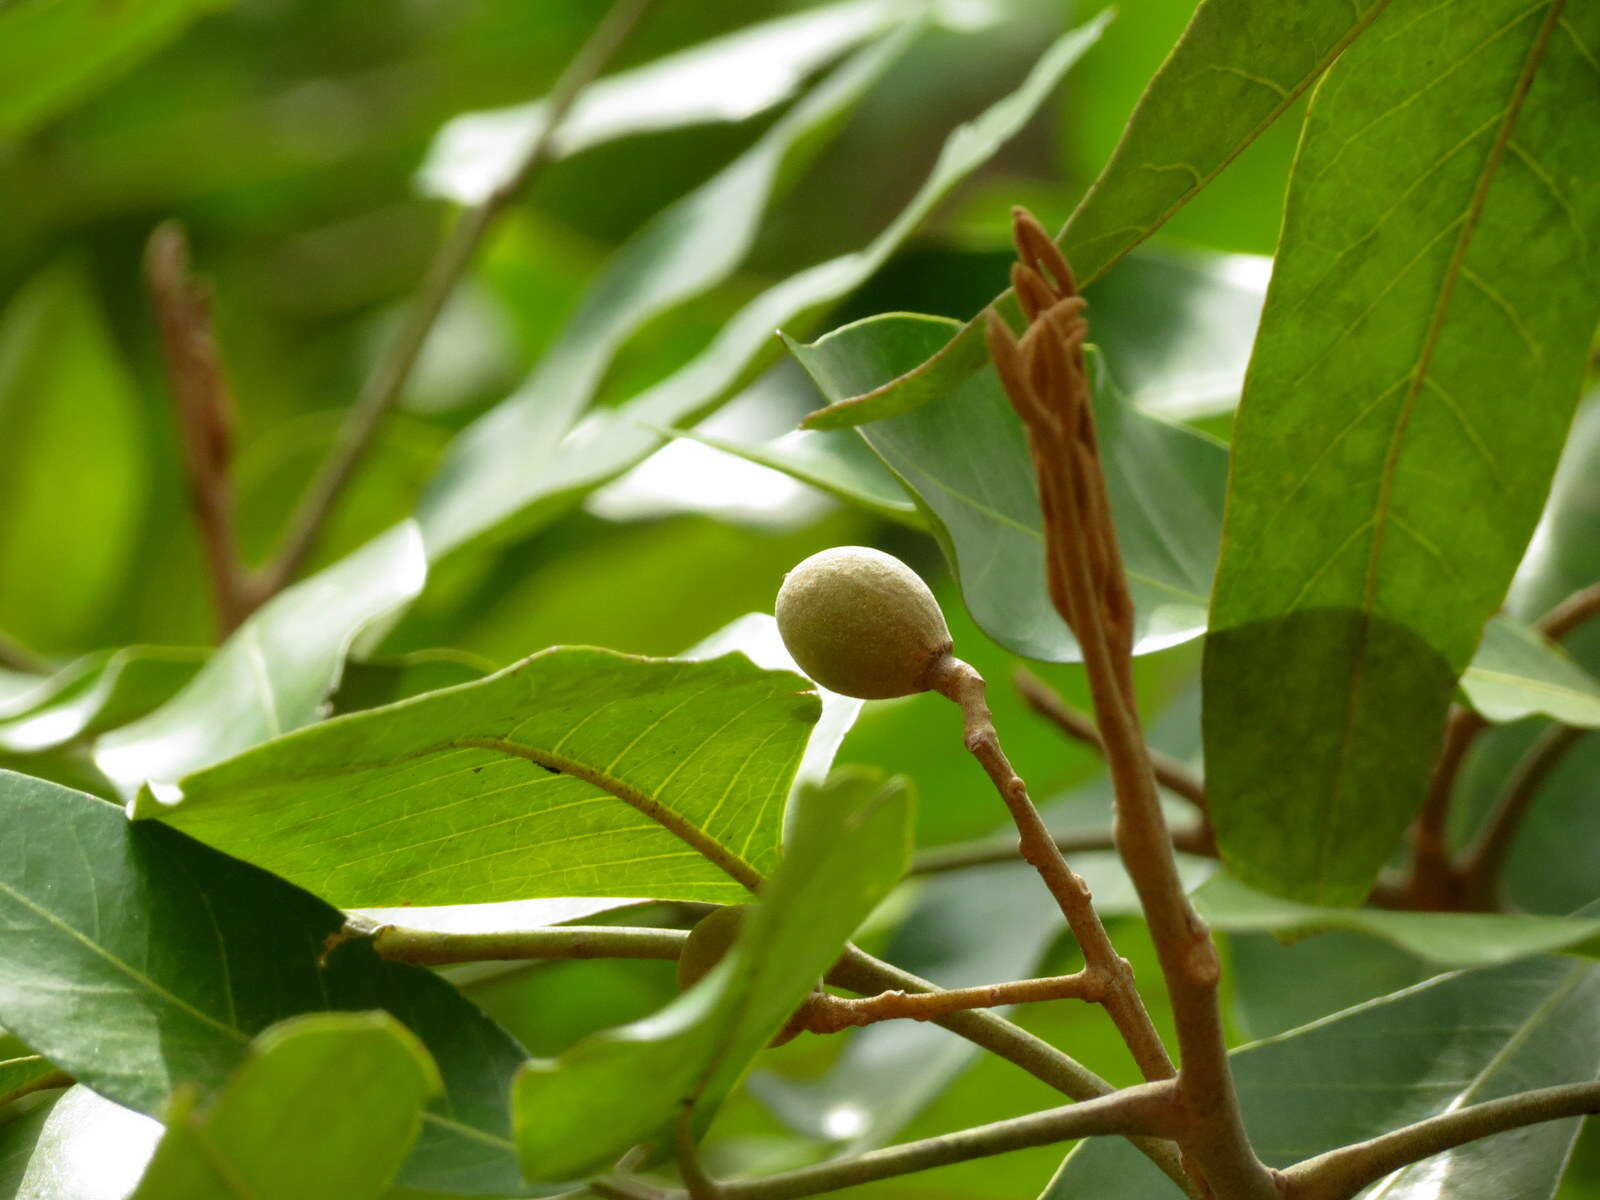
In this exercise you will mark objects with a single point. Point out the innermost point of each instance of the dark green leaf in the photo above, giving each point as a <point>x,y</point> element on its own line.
<point>68,411</point>
<point>574,773</point>
<point>1456,1040</point>
<point>139,960</point>
<point>1438,260</point>
<point>324,1107</point>
<point>848,846</point>
<point>381,681</point>
<point>276,671</point>
<point>965,458</point>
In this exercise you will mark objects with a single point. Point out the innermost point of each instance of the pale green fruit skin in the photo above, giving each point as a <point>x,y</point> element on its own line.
<point>711,938</point>
<point>862,623</point>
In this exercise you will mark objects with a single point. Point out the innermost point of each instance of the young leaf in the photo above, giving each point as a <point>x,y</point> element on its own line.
<point>730,78</point>
<point>848,847</point>
<point>324,1107</point>
<point>1442,938</point>
<point>966,460</point>
<point>1516,673</point>
<point>576,772</point>
<point>546,466</point>
<point>138,960</point>
<point>687,248</point>
<point>1453,1041</point>
<point>68,410</point>
<point>277,669</point>
<point>1432,304</point>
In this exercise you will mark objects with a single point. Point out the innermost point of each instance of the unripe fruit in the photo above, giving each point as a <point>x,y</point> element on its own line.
<point>711,938</point>
<point>862,623</point>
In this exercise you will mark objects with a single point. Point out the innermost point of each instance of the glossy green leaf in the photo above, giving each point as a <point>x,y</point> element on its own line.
<point>68,410</point>
<point>75,1146</point>
<point>1516,673</point>
<point>1420,353</point>
<point>576,772</point>
<point>274,674</point>
<point>324,1107</point>
<point>848,846</point>
<point>1237,67</point>
<point>1444,939</point>
<point>100,692</point>
<point>731,78</point>
<point>1455,1040</point>
<point>53,53</point>
<point>139,960</point>
<point>546,466</point>
<point>688,248</point>
<point>965,457</point>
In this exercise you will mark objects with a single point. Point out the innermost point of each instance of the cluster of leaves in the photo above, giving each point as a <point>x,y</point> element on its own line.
<point>191,828</point>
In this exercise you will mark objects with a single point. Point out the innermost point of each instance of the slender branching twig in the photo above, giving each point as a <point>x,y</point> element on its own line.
<point>984,851</point>
<point>204,406</point>
<point>387,381</point>
<point>827,1013</point>
<point>1570,613</point>
<point>1044,376</point>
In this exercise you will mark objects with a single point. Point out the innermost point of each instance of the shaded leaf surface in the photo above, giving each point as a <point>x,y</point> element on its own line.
<point>139,960</point>
<point>848,847</point>
<point>1455,1040</point>
<point>324,1107</point>
<point>1516,674</point>
<point>576,772</point>
<point>1438,259</point>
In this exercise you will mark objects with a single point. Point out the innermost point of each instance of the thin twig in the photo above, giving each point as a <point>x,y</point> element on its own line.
<point>431,948</point>
<point>985,851</point>
<point>1482,864</point>
<point>1046,381</point>
<point>697,1184</point>
<point>1171,774</point>
<point>827,1013</point>
<point>1340,1174</point>
<point>41,1083</point>
<point>1572,612</point>
<point>14,656</point>
<point>957,681</point>
<point>204,408</point>
<point>384,386</point>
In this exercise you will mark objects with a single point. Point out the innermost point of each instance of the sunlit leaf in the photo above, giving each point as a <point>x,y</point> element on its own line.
<point>847,848</point>
<point>139,960</point>
<point>573,773</point>
<point>1456,1040</point>
<point>1419,358</point>
<point>276,671</point>
<point>99,692</point>
<point>323,1107</point>
<point>75,1146</point>
<point>1516,674</point>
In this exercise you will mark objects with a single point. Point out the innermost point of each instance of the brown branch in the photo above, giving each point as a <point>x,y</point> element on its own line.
<point>1340,1174</point>
<point>959,682</point>
<point>204,409</point>
<point>827,1013</point>
<point>387,381</point>
<point>1570,613</point>
<point>985,851</point>
<point>49,1081</point>
<point>1171,774</point>
<point>431,948</point>
<point>1484,861</point>
<point>1045,378</point>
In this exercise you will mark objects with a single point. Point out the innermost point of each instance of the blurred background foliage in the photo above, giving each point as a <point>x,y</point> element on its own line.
<point>290,137</point>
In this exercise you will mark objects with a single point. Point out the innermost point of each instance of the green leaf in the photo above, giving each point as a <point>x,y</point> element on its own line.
<point>544,466</point>
<point>138,960</point>
<point>68,411</point>
<point>730,78</point>
<point>98,692</point>
<point>20,1067</point>
<point>1517,673</point>
<point>576,772</point>
<point>1442,938</point>
<point>848,846</point>
<point>965,458</point>
<point>376,682</point>
<point>324,1107</point>
<point>1456,1040</point>
<point>1237,67</point>
<point>274,674</point>
<point>686,249</point>
<point>1437,260</point>
<point>75,1146</point>
<point>54,53</point>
